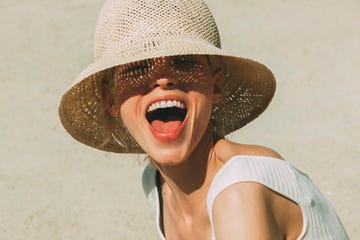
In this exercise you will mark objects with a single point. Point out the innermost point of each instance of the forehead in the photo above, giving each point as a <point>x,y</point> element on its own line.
<point>201,59</point>
<point>186,68</point>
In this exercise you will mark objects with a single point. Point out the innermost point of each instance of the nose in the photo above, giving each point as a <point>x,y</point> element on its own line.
<point>164,83</point>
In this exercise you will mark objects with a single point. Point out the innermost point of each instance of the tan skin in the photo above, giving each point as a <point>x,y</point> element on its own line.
<point>260,213</point>
<point>243,211</point>
<point>189,163</point>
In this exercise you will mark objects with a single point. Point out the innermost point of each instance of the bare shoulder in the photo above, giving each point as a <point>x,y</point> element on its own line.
<point>245,209</point>
<point>249,210</point>
<point>251,205</point>
<point>226,149</point>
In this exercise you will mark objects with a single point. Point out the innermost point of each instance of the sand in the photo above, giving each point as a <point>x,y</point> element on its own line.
<point>52,187</point>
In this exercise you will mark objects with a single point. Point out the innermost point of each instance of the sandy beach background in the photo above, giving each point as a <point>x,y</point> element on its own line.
<point>52,187</point>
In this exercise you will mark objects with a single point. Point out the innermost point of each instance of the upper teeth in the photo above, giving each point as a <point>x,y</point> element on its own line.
<point>166,104</point>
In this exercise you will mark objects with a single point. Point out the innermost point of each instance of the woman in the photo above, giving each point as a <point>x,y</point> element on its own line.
<point>160,84</point>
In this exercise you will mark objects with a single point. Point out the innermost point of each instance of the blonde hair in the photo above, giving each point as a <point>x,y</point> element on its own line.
<point>109,121</point>
<point>214,63</point>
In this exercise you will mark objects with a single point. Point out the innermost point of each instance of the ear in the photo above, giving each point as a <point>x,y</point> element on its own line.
<point>108,99</point>
<point>218,86</point>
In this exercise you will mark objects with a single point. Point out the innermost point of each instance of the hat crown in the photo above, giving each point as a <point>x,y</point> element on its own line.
<point>139,25</point>
<point>133,30</point>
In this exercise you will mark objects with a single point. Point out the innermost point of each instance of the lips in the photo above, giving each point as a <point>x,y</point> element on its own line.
<point>166,119</point>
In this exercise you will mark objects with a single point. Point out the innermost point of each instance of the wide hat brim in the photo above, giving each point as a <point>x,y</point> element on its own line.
<point>247,92</point>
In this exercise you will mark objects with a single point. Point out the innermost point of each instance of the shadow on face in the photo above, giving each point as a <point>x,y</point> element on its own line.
<point>185,73</point>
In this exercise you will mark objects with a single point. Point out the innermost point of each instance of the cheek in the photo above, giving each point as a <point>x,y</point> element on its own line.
<point>129,114</point>
<point>201,81</point>
<point>125,89</point>
<point>202,107</point>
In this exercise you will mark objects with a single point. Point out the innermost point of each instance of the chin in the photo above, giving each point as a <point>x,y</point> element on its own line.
<point>168,157</point>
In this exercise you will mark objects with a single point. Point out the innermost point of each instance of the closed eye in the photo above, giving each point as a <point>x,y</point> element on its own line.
<point>135,69</point>
<point>183,62</point>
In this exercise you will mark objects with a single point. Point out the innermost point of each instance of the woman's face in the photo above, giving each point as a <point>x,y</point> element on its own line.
<point>166,103</point>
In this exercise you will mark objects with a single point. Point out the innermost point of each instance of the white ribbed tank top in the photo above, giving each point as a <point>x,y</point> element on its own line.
<point>320,221</point>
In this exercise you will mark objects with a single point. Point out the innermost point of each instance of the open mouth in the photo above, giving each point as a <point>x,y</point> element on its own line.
<point>166,116</point>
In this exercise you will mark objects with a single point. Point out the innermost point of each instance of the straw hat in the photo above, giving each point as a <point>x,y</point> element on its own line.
<point>133,30</point>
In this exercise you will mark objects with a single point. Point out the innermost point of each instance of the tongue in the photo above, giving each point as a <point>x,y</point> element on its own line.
<point>165,127</point>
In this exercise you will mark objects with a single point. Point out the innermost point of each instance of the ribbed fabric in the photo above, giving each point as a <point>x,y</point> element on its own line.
<point>320,221</point>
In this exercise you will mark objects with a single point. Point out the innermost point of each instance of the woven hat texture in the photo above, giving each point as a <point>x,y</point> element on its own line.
<point>133,30</point>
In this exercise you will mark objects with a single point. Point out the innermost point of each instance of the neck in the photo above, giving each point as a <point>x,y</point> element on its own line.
<point>187,183</point>
<point>190,174</point>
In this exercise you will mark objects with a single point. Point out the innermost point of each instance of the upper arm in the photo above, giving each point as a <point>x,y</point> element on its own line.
<point>249,210</point>
<point>243,211</point>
